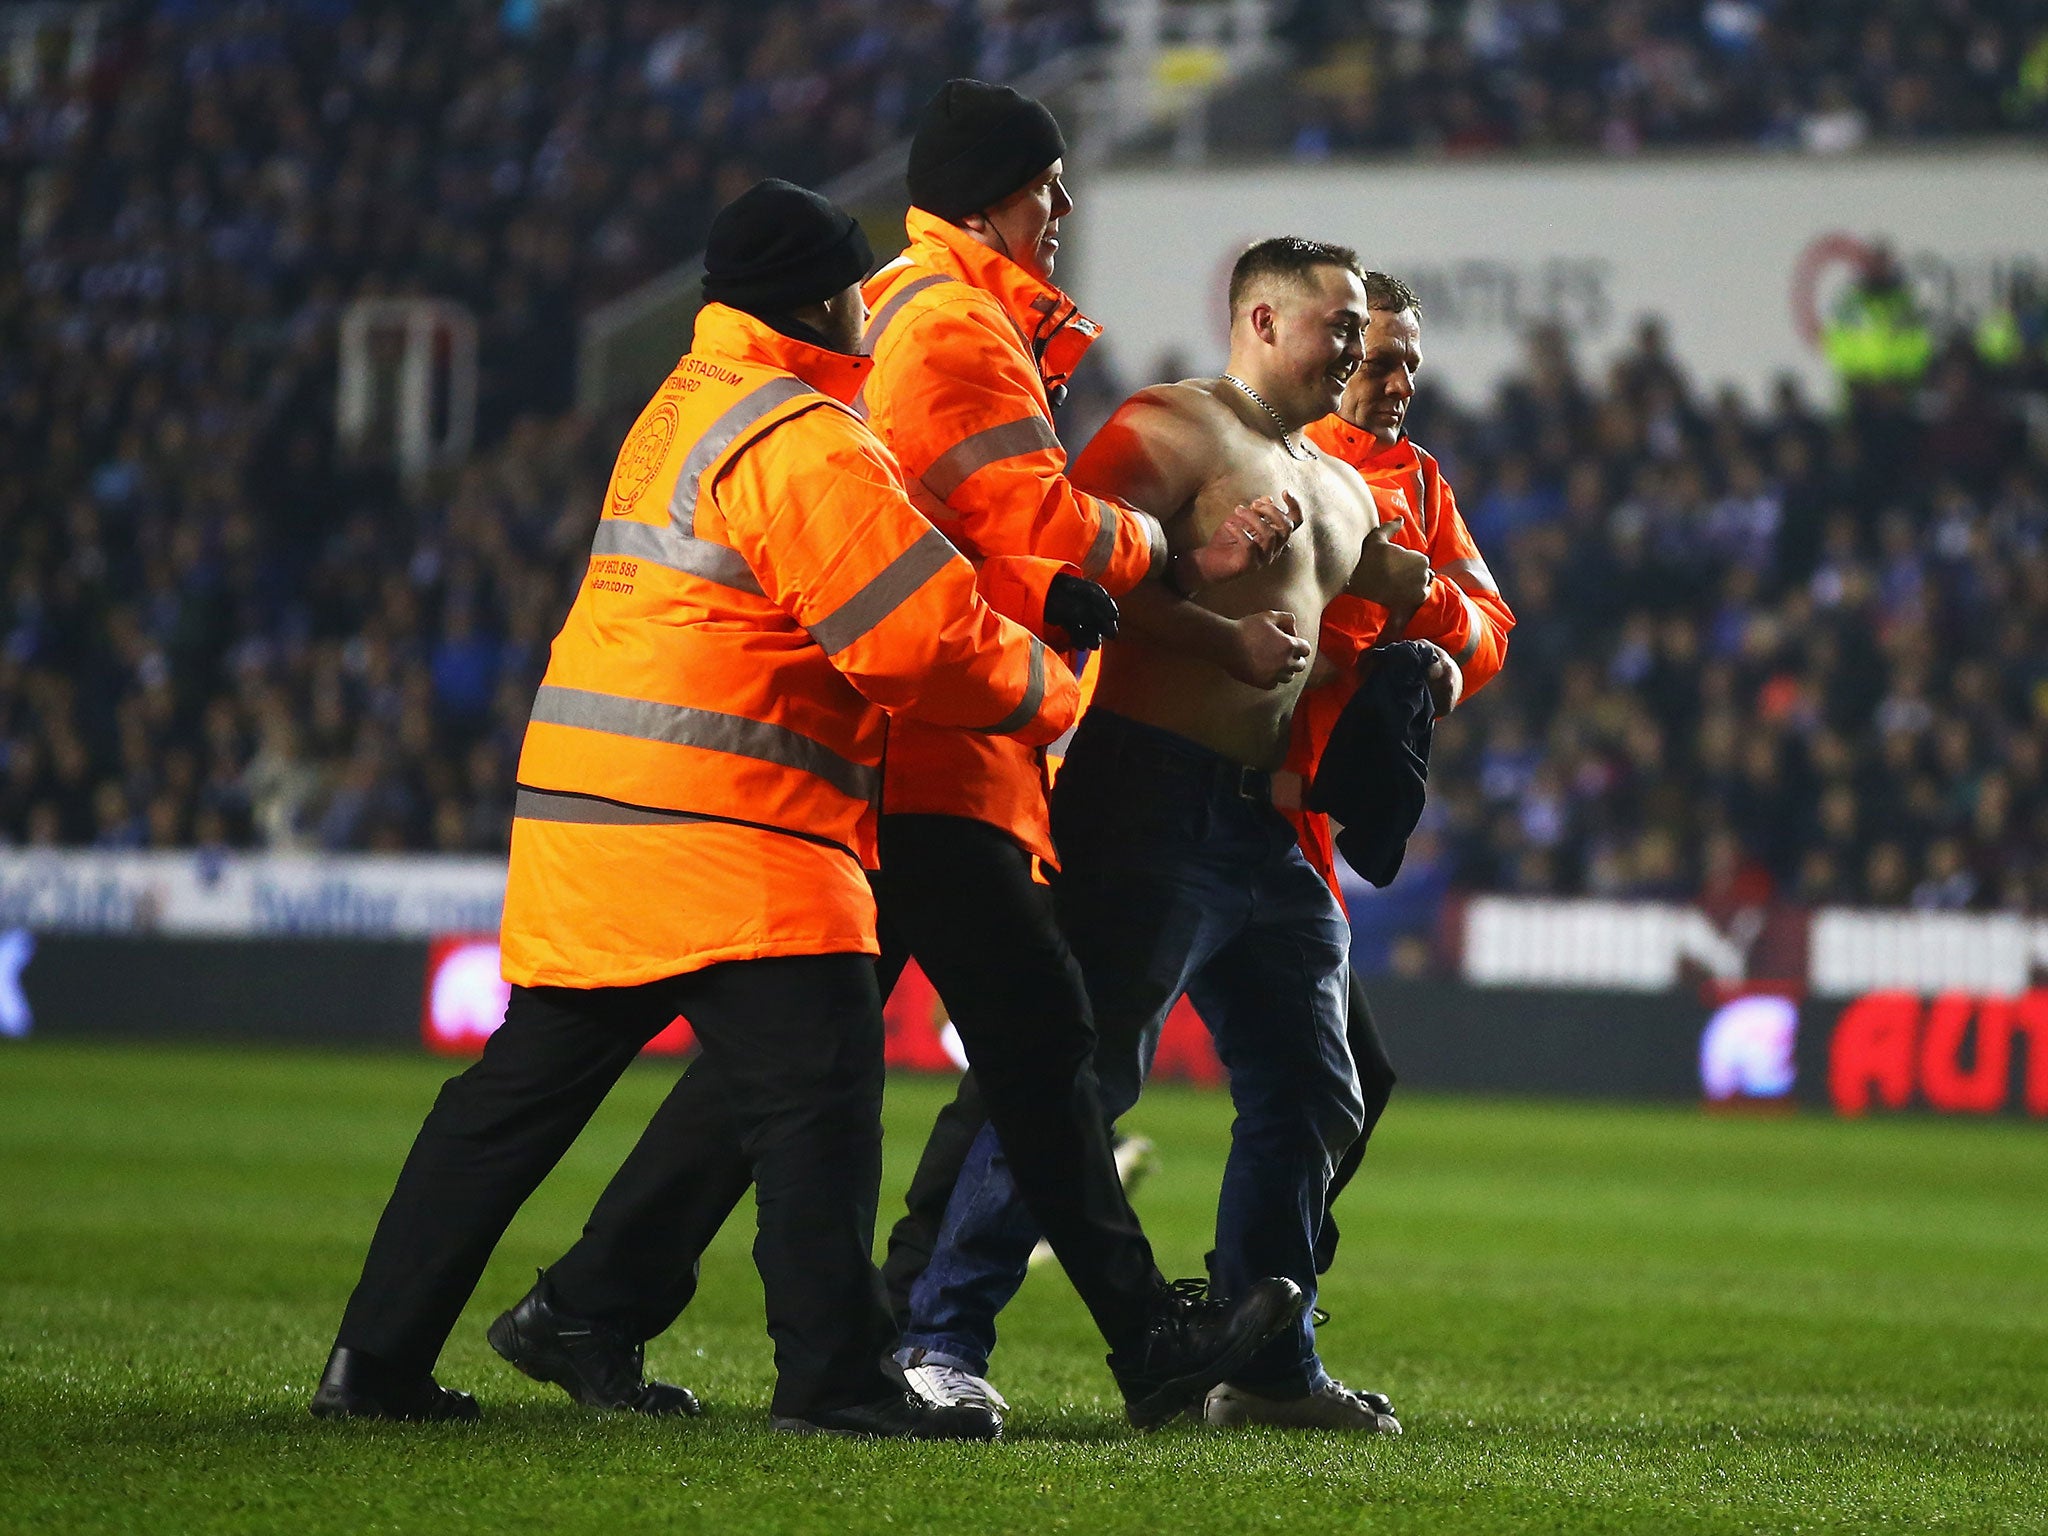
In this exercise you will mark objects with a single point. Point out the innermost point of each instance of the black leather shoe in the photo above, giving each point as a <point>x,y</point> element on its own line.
<point>896,1418</point>
<point>1192,1342</point>
<point>593,1362</point>
<point>360,1386</point>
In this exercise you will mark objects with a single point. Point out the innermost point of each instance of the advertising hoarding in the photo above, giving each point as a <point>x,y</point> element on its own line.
<point>1860,1011</point>
<point>269,991</point>
<point>1729,1045</point>
<point>1741,254</point>
<point>201,891</point>
<point>465,997</point>
<point>1955,1054</point>
<point>1830,952</point>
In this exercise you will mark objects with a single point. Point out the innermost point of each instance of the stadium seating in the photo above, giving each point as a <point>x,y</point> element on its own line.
<point>1818,75</point>
<point>215,629</point>
<point>1762,653</point>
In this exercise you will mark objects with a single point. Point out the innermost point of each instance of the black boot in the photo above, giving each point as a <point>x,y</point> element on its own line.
<point>360,1386</point>
<point>593,1362</point>
<point>896,1418</point>
<point>1192,1342</point>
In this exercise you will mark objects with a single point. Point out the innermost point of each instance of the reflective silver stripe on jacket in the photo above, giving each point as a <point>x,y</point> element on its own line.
<point>1478,622</point>
<point>547,805</point>
<point>1103,550</point>
<point>1155,539</point>
<point>684,726</point>
<point>675,545</point>
<point>1034,695</point>
<point>951,469</point>
<point>1473,567</point>
<point>721,435</point>
<point>883,594</point>
<point>667,545</point>
<point>1100,552</point>
<point>882,318</point>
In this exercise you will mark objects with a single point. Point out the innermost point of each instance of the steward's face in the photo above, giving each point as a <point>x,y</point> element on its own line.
<point>1028,221</point>
<point>1376,398</point>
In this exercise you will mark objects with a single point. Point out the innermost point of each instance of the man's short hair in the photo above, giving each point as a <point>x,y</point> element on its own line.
<point>1385,291</point>
<point>1290,258</point>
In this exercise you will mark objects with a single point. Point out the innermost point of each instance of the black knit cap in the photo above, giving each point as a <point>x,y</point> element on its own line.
<point>777,247</point>
<point>976,144</point>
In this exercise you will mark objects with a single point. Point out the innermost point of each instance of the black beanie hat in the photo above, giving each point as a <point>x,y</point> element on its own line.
<point>777,247</point>
<point>976,144</point>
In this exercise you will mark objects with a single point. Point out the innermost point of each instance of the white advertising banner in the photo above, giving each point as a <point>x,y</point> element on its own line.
<point>358,895</point>
<point>1507,941</point>
<point>1628,946</point>
<point>1742,255</point>
<point>1514,941</point>
<point>1994,953</point>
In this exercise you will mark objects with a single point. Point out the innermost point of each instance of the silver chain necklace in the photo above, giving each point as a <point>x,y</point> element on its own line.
<point>1260,401</point>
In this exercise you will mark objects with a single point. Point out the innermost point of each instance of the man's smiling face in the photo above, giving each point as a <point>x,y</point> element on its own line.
<point>1316,326</point>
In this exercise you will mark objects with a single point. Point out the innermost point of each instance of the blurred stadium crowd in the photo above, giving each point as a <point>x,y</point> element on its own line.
<point>1619,75</point>
<point>1763,654</point>
<point>1772,649</point>
<point>215,630</point>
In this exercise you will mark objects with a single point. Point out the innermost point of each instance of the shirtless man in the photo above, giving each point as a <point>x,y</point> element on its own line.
<point>1176,870</point>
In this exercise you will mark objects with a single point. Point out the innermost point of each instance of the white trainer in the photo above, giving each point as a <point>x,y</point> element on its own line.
<point>948,1386</point>
<point>1135,1161</point>
<point>1336,1406</point>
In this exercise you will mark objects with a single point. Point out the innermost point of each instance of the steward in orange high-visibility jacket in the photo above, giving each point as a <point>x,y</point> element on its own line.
<point>1463,614</point>
<point>973,345</point>
<point>695,807</point>
<point>700,780</point>
<point>969,346</point>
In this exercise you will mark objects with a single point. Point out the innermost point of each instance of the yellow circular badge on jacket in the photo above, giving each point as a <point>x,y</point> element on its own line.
<point>642,457</point>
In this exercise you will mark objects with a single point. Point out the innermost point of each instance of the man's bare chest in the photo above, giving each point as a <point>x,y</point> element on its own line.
<point>1321,555</point>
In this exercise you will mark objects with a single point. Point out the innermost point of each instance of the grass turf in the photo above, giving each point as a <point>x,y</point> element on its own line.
<point>1591,1319</point>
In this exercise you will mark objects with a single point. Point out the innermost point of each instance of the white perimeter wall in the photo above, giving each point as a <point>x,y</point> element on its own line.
<point>1508,940</point>
<point>1736,252</point>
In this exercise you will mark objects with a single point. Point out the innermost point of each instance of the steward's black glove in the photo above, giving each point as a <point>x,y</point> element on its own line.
<point>1082,610</point>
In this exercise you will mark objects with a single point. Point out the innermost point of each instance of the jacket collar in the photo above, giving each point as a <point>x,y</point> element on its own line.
<point>730,334</point>
<point>1361,450</point>
<point>1049,323</point>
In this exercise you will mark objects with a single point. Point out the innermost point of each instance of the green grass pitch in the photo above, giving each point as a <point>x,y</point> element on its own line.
<point>1590,1318</point>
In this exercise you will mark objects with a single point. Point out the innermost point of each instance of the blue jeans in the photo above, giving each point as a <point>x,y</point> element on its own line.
<point>1177,875</point>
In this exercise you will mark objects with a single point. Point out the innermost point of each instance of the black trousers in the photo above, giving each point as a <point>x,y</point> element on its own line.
<point>795,1047</point>
<point>957,894</point>
<point>960,1121</point>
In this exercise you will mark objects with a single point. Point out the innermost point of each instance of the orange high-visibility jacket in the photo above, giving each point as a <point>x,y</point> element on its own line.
<point>700,778</point>
<point>967,345</point>
<point>1464,612</point>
